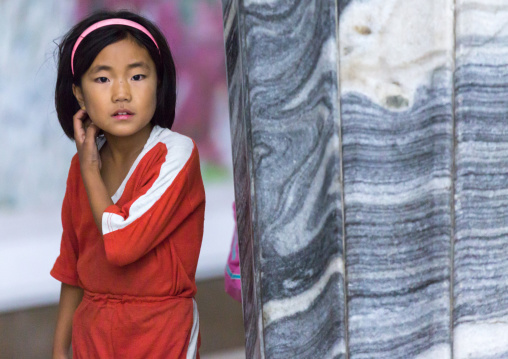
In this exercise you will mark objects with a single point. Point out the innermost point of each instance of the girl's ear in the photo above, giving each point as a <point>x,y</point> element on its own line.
<point>78,93</point>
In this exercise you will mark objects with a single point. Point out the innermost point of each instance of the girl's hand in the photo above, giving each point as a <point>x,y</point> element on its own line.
<point>85,133</point>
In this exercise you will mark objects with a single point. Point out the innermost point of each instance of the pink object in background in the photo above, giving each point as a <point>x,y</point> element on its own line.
<point>232,282</point>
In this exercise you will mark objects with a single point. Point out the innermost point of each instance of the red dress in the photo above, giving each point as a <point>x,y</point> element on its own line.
<point>139,276</point>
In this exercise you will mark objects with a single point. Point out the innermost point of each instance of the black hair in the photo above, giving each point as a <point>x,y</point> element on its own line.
<point>65,102</point>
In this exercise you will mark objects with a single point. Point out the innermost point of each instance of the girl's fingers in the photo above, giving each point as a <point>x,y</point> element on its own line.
<point>86,124</point>
<point>79,131</point>
<point>89,151</point>
<point>85,133</point>
<point>91,131</point>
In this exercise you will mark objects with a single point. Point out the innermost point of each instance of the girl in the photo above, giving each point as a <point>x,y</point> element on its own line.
<point>133,210</point>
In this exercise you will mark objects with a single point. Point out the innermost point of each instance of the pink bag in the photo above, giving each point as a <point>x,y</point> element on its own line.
<point>232,282</point>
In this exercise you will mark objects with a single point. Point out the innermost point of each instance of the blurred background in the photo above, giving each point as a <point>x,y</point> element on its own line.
<point>35,157</point>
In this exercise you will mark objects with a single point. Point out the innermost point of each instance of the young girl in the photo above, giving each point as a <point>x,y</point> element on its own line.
<point>134,205</point>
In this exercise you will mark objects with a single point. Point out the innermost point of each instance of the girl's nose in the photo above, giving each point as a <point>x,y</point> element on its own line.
<point>121,92</point>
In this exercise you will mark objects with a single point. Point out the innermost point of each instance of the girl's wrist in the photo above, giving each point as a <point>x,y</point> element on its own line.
<point>90,170</point>
<point>91,178</point>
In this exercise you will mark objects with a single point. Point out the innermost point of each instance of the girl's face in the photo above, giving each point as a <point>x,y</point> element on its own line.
<point>119,89</point>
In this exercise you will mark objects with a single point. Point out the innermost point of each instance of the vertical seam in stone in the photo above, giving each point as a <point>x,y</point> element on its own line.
<point>253,211</point>
<point>341,174</point>
<point>453,176</point>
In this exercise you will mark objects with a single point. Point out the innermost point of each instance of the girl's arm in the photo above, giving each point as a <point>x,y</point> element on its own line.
<point>172,194</point>
<point>70,297</point>
<point>97,194</point>
<point>90,162</point>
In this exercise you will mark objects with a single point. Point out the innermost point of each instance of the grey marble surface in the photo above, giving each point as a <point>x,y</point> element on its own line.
<point>289,73</point>
<point>240,125</point>
<point>397,132</point>
<point>481,197</point>
<point>397,169</point>
<point>407,102</point>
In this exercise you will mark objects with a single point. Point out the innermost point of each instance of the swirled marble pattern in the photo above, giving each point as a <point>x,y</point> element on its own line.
<point>371,151</point>
<point>481,197</point>
<point>289,74</point>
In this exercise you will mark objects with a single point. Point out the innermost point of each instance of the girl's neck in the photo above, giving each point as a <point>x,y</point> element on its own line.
<point>123,149</point>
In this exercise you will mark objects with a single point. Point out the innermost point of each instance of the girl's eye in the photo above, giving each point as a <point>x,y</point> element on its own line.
<point>101,79</point>
<point>138,77</point>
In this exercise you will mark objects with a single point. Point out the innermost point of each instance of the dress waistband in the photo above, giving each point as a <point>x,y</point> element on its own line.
<point>129,298</point>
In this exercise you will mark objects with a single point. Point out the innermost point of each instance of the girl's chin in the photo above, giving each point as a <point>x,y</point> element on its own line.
<point>121,132</point>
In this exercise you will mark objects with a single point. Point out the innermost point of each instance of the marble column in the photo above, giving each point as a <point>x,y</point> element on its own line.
<point>282,60</point>
<point>481,196</point>
<point>396,64</point>
<point>241,138</point>
<point>370,142</point>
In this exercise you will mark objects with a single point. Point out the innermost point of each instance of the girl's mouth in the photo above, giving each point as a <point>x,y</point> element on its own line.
<point>122,115</point>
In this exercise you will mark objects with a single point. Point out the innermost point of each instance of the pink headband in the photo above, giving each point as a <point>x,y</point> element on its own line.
<point>106,23</point>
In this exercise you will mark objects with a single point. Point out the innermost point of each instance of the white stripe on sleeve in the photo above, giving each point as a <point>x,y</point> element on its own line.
<point>179,149</point>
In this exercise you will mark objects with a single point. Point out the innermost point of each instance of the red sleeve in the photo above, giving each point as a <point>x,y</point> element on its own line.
<point>65,267</point>
<point>172,191</point>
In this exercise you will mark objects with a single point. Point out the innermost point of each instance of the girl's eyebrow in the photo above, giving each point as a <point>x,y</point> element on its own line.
<point>98,68</point>
<point>141,64</point>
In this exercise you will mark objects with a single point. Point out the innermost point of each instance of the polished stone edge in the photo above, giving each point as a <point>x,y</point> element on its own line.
<point>480,299</point>
<point>280,107</point>
<point>242,172</point>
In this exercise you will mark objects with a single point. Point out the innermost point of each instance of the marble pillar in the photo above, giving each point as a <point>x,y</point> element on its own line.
<point>282,60</point>
<point>370,142</point>
<point>396,64</point>
<point>240,125</point>
<point>480,315</point>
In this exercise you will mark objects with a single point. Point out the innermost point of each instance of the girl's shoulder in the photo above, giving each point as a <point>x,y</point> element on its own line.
<point>175,146</point>
<point>168,145</point>
<point>171,139</point>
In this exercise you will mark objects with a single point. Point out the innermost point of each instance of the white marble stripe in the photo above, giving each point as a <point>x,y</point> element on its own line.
<point>436,352</point>
<point>337,350</point>
<point>274,310</point>
<point>327,62</point>
<point>481,339</point>
<point>399,194</point>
